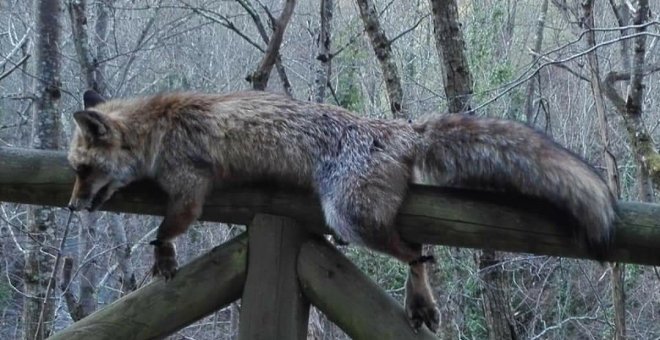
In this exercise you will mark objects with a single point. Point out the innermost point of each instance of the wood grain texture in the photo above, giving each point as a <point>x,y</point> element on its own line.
<point>349,298</point>
<point>273,306</point>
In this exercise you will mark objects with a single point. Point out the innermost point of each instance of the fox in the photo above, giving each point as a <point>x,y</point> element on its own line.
<point>360,168</point>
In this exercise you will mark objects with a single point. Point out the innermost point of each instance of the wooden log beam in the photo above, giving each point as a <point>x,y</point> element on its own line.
<point>349,298</point>
<point>152,312</point>
<point>273,306</point>
<point>429,215</point>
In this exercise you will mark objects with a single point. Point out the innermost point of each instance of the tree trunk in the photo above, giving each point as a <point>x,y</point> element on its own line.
<point>493,294</point>
<point>458,88</point>
<point>123,252</point>
<point>101,43</point>
<point>495,300</point>
<point>612,174</point>
<point>89,270</point>
<point>646,155</point>
<point>93,79</point>
<point>383,51</point>
<point>618,269</point>
<point>86,304</point>
<point>324,71</point>
<point>451,51</point>
<point>634,110</point>
<point>46,129</point>
<point>77,14</point>
<point>647,158</point>
<point>531,84</point>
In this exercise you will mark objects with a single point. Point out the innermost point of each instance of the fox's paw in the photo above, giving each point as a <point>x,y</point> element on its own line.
<point>165,268</point>
<point>421,310</point>
<point>165,264</point>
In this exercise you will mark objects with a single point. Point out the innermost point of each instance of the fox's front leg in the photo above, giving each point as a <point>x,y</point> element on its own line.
<point>183,209</point>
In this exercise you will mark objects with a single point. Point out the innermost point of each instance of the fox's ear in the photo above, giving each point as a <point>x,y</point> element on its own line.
<point>93,125</point>
<point>91,98</point>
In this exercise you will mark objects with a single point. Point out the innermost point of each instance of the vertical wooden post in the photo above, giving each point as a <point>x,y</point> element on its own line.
<point>273,306</point>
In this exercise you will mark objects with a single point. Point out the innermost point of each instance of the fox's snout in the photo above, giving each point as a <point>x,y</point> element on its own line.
<point>81,196</point>
<point>74,204</point>
<point>90,192</point>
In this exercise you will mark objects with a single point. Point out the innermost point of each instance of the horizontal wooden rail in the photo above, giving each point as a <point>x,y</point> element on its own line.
<point>429,215</point>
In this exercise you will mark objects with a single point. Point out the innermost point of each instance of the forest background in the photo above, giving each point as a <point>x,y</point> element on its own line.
<point>584,72</point>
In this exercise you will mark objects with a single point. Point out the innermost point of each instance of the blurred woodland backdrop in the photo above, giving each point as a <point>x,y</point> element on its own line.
<point>585,72</point>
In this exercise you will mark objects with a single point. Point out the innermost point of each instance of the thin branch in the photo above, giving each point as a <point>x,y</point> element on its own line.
<point>259,78</point>
<point>350,42</point>
<point>523,78</point>
<point>559,65</point>
<point>562,322</point>
<point>69,298</point>
<point>15,67</point>
<point>142,39</point>
<point>412,28</point>
<point>284,78</point>
<point>51,280</point>
<point>271,19</point>
<point>614,77</point>
<point>18,46</point>
<point>256,19</point>
<point>223,21</point>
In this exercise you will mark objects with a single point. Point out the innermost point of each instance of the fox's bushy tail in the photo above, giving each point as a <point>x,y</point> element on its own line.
<point>462,150</point>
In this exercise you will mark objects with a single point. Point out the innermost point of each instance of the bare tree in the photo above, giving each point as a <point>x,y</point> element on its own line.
<point>499,320</point>
<point>530,95</point>
<point>46,131</point>
<point>77,15</point>
<point>323,73</point>
<point>259,78</point>
<point>86,301</point>
<point>101,43</point>
<point>281,71</point>
<point>631,108</point>
<point>647,157</point>
<point>383,51</point>
<point>451,50</point>
<point>144,46</point>
<point>611,172</point>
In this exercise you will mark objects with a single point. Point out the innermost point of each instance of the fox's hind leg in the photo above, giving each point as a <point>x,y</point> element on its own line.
<point>370,222</point>
<point>361,190</point>
<point>420,304</point>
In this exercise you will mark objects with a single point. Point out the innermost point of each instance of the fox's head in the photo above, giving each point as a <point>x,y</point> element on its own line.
<point>100,154</point>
